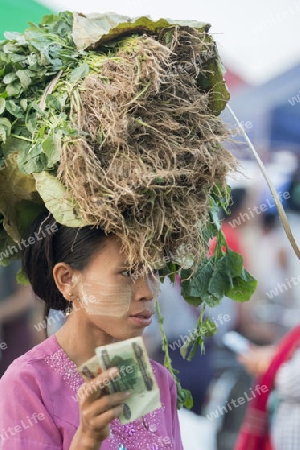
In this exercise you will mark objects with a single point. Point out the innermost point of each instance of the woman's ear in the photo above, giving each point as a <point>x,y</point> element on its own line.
<point>65,279</point>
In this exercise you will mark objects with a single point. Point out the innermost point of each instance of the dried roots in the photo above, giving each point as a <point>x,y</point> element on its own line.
<point>149,151</point>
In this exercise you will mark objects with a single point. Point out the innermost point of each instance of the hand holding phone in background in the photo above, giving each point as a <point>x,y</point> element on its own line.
<point>255,359</point>
<point>236,342</point>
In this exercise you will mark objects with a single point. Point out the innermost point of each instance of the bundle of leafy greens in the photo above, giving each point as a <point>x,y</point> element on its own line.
<point>113,122</point>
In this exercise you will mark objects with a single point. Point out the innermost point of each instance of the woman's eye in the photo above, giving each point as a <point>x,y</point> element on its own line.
<point>126,273</point>
<point>153,273</point>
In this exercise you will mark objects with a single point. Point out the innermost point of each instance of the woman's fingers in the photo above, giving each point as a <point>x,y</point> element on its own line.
<point>102,421</point>
<point>94,389</point>
<point>98,407</point>
<point>98,426</point>
<point>107,403</point>
<point>103,411</point>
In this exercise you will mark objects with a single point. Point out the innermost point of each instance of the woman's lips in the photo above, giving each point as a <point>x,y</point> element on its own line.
<point>142,319</point>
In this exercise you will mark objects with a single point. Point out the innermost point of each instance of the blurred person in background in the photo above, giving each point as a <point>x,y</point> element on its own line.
<point>293,215</point>
<point>261,319</point>
<point>16,328</point>
<point>272,420</point>
<point>293,187</point>
<point>272,270</point>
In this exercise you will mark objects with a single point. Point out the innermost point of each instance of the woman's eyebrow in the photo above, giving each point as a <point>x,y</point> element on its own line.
<point>123,265</point>
<point>126,265</point>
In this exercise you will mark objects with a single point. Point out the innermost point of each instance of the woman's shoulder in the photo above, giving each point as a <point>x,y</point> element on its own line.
<point>27,363</point>
<point>30,392</point>
<point>25,385</point>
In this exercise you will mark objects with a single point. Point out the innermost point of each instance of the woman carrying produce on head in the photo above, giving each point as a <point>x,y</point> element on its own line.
<point>38,407</point>
<point>118,138</point>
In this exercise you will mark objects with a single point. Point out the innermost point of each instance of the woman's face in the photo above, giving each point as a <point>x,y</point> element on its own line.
<point>110,299</point>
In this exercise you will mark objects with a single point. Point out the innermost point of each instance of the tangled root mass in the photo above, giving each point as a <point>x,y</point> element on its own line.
<point>149,150</point>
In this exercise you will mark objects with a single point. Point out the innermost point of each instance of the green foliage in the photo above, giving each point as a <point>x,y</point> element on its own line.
<point>56,199</point>
<point>35,111</point>
<point>219,275</point>
<point>28,63</point>
<point>204,328</point>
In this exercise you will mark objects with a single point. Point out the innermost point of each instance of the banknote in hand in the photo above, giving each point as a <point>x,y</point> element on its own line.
<point>135,375</point>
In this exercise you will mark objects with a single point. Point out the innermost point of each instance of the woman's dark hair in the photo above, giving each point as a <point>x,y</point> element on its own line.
<point>50,243</point>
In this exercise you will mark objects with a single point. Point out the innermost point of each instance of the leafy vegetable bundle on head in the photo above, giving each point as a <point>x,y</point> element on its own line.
<point>119,129</point>
<point>113,122</point>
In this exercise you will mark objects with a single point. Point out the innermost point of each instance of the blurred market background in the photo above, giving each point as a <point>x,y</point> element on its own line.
<point>259,43</point>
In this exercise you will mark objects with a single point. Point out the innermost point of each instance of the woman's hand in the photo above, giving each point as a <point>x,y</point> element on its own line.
<point>97,409</point>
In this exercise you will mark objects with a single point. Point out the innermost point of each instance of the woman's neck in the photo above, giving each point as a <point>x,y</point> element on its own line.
<point>79,339</point>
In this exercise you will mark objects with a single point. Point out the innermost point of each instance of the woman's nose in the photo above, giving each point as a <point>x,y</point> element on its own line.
<point>146,287</point>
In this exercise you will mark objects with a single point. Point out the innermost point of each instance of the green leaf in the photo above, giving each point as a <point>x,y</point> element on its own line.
<point>22,278</point>
<point>172,271</point>
<point>14,109</point>
<point>195,287</point>
<point>9,78</point>
<point>24,77</point>
<point>52,148</point>
<point>5,128</point>
<point>37,108</point>
<point>211,300</point>
<point>30,123</point>
<point>26,211</point>
<point>18,199</point>
<point>204,328</point>
<point>12,35</point>
<point>168,36</point>
<point>52,102</point>
<point>211,80</point>
<point>32,159</point>
<point>208,328</point>
<point>193,351</point>
<point>243,287</point>
<point>227,267</point>
<point>92,29</point>
<point>18,58</point>
<point>57,201</point>
<point>13,89</point>
<point>79,73</point>
<point>24,103</point>
<point>2,105</point>
<point>39,40</point>
<point>12,146</point>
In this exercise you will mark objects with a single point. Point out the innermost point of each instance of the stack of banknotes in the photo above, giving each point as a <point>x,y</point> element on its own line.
<point>135,375</point>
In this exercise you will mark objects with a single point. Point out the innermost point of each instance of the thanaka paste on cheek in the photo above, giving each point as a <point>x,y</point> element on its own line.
<point>99,298</point>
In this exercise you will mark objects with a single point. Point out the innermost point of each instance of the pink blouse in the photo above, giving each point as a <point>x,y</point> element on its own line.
<point>39,408</point>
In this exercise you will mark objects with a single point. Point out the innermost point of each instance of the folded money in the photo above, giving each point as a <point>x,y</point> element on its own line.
<point>135,375</point>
